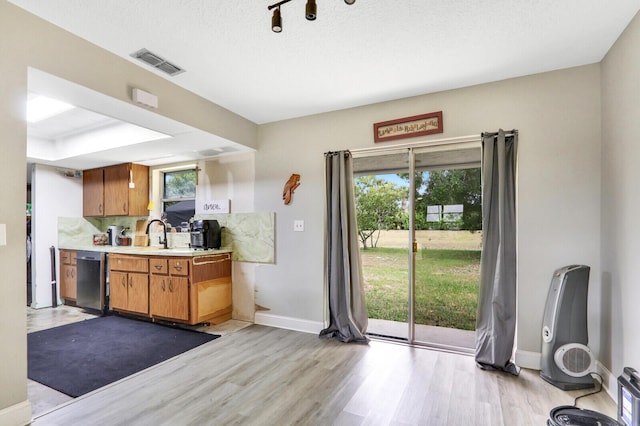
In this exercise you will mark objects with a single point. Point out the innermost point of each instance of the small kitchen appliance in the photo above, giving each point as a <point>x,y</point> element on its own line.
<point>113,234</point>
<point>206,234</point>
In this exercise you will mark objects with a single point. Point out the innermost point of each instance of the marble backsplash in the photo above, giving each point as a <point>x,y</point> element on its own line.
<point>250,236</point>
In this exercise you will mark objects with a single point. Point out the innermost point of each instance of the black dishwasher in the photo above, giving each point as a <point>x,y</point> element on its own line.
<point>91,281</point>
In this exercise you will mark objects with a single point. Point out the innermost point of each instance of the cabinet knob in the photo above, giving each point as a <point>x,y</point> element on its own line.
<point>158,267</point>
<point>171,286</point>
<point>163,285</point>
<point>99,208</point>
<point>124,282</point>
<point>178,267</point>
<point>124,207</point>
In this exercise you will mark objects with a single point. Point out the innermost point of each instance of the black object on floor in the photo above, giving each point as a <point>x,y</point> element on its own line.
<point>78,358</point>
<point>568,415</point>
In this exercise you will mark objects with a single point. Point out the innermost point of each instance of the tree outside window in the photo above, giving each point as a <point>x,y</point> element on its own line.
<point>178,196</point>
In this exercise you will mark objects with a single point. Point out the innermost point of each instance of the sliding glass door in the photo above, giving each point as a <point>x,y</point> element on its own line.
<point>419,219</point>
<point>382,189</point>
<point>447,235</point>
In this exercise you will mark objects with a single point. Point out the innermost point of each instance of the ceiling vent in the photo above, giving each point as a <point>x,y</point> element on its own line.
<point>216,151</point>
<point>157,62</point>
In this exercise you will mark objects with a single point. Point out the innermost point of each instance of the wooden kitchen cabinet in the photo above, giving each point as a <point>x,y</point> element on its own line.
<point>68,276</point>
<point>129,283</point>
<point>93,192</point>
<point>108,191</point>
<point>119,198</point>
<point>169,297</point>
<point>184,289</point>
<point>169,288</point>
<point>210,293</point>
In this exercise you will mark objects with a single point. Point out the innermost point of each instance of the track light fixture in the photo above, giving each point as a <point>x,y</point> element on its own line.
<point>276,21</point>
<point>311,12</point>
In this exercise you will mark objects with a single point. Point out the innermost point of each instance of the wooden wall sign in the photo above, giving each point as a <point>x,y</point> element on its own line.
<point>408,127</point>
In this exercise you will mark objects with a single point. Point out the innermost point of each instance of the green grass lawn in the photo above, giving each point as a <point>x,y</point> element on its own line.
<point>446,286</point>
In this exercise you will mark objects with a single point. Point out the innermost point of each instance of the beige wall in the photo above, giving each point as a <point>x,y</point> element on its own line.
<point>620,202</point>
<point>28,41</point>
<point>558,117</point>
<point>13,174</point>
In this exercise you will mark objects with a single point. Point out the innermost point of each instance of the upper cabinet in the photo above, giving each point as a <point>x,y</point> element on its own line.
<point>120,190</point>
<point>93,192</point>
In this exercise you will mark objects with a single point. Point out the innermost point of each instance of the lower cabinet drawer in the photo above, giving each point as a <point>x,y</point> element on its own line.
<point>128,263</point>
<point>158,266</point>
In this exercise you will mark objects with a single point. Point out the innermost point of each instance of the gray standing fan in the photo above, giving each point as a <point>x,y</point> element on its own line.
<point>566,359</point>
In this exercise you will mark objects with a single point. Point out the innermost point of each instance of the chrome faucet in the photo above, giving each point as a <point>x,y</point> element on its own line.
<point>164,228</point>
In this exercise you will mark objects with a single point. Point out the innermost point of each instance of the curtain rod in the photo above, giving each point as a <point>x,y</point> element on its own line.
<point>506,133</point>
<point>435,142</point>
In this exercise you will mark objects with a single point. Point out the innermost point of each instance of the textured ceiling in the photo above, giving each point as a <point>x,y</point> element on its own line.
<point>354,55</point>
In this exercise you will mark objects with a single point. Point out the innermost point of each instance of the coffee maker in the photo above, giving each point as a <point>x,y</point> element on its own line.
<point>206,234</point>
<point>113,235</point>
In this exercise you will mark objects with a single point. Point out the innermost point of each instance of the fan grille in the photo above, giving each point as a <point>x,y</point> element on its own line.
<point>576,360</point>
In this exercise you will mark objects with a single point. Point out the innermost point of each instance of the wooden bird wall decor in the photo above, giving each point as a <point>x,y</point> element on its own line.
<point>289,187</point>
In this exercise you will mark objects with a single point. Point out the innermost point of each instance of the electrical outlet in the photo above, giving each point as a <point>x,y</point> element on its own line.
<point>298,225</point>
<point>3,234</point>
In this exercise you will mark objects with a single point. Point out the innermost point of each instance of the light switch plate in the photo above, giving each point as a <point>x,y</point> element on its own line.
<point>3,234</point>
<point>298,225</point>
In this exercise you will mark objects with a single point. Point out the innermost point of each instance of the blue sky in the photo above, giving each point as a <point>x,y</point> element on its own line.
<point>395,179</point>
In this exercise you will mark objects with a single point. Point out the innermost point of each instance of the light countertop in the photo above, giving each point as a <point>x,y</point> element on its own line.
<point>149,250</point>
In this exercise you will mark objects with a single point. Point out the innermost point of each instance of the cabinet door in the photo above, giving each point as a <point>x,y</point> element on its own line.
<point>68,282</point>
<point>116,190</point>
<point>159,298</point>
<point>139,194</point>
<point>138,293</point>
<point>118,290</point>
<point>179,293</point>
<point>93,192</point>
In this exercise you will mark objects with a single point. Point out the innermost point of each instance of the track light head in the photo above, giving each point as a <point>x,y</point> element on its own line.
<point>276,21</point>
<point>311,10</point>
<point>311,13</point>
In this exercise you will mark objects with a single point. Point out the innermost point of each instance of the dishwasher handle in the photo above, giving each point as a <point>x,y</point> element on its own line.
<point>88,255</point>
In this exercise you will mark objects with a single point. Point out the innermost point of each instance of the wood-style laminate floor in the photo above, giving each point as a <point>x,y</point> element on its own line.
<point>266,376</point>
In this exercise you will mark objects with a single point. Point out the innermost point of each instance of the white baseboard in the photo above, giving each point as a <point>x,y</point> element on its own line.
<point>527,359</point>
<point>609,381</point>
<point>16,415</point>
<point>288,323</point>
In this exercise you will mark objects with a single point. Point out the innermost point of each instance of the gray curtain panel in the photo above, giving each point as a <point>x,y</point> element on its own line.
<point>347,308</point>
<point>496,317</point>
